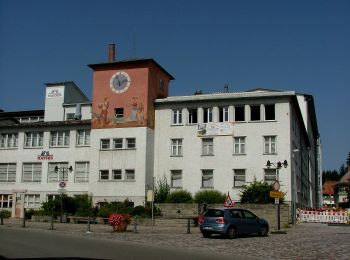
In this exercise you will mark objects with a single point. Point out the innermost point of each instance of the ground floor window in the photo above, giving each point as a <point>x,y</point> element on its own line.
<point>207,179</point>
<point>32,201</point>
<point>5,201</point>
<point>176,178</point>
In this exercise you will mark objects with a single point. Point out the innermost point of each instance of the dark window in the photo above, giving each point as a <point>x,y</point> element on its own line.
<point>214,213</point>
<point>270,112</point>
<point>119,112</point>
<point>192,116</point>
<point>239,113</point>
<point>255,113</point>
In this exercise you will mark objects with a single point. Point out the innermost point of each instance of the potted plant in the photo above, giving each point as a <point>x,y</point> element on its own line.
<point>119,222</point>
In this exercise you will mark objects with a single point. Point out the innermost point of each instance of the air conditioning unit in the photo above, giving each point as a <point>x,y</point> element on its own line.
<point>70,116</point>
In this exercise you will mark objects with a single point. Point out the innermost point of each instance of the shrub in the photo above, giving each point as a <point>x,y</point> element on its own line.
<point>181,196</point>
<point>83,205</point>
<point>139,211</point>
<point>161,191</point>
<point>5,213</point>
<point>209,196</point>
<point>107,208</point>
<point>257,193</point>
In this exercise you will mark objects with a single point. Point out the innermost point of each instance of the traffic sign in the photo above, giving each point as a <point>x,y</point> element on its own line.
<point>228,202</point>
<point>62,191</point>
<point>276,194</point>
<point>62,184</point>
<point>277,201</point>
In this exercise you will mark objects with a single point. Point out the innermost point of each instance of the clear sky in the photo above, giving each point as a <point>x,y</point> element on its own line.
<point>277,44</point>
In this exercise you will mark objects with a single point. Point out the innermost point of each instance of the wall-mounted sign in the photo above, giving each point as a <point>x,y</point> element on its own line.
<point>214,129</point>
<point>54,92</point>
<point>45,155</point>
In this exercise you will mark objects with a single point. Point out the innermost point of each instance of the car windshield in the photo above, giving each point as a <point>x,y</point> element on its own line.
<point>214,213</point>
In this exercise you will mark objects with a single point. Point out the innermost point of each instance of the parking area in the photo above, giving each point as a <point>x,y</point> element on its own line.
<point>303,241</point>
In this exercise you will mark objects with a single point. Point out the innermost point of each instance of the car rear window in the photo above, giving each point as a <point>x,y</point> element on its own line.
<point>214,213</point>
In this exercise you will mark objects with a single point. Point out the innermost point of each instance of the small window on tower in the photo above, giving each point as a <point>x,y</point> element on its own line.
<point>119,112</point>
<point>161,84</point>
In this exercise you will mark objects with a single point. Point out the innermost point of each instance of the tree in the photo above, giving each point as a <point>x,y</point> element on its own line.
<point>209,196</point>
<point>161,191</point>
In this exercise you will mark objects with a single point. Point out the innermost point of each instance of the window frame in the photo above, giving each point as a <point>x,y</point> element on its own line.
<point>9,174</point>
<point>34,139</point>
<point>224,114</point>
<point>53,176</point>
<point>239,173</point>
<point>117,172</point>
<point>207,115</point>
<point>270,146</point>
<point>207,146</point>
<point>8,140</point>
<point>85,174</point>
<point>104,172</point>
<point>176,147</point>
<point>32,178</point>
<point>239,142</point>
<point>128,173</point>
<point>176,117</point>
<point>130,143</point>
<point>267,112</point>
<point>55,139</point>
<point>86,137</point>
<point>103,146</point>
<point>121,143</point>
<point>210,173</point>
<point>270,178</point>
<point>174,180</point>
<point>238,113</point>
<point>192,116</point>
<point>255,113</point>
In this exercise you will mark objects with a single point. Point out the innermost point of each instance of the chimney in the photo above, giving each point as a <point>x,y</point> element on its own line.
<point>111,52</point>
<point>226,88</point>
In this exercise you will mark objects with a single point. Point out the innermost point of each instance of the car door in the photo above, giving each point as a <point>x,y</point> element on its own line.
<point>250,222</point>
<point>238,221</point>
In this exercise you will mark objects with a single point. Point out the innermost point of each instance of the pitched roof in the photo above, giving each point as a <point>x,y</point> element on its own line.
<point>346,176</point>
<point>328,187</point>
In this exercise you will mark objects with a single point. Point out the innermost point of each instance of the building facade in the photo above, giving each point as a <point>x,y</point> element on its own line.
<point>132,134</point>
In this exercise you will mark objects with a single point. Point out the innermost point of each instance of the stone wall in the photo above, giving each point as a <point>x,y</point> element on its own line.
<point>265,211</point>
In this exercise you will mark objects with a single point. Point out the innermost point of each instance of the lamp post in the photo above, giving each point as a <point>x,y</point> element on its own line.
<point>62,183</point>
<point>277,166</point>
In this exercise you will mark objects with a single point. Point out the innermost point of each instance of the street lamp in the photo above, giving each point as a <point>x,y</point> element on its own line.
<point>62,183</point>
<point>277,166</point>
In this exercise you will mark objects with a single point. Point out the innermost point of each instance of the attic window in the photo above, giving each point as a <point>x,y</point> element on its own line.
<point>255,113</point>
<point>119,112</point>
<point>270,112</point>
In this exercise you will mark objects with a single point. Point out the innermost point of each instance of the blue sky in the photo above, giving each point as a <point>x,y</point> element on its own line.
<point>276,44</point>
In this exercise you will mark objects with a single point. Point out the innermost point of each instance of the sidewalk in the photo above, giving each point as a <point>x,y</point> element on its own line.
<point>98,228</point>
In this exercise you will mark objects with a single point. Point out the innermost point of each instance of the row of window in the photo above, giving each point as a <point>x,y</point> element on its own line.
<point>257,113</point>
<point>239,146</point>
<point>32,172</point>
<point>30,201</point>
<point>117,175</point>
<point>118,143</point>
<point>36,139</point>
<point>207,177</point>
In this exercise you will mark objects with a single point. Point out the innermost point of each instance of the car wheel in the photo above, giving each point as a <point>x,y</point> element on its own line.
<point>206,235</point>
<point>231,233</point>
<point>263,231</point>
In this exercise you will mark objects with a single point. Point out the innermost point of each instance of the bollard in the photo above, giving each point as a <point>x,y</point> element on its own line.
<point>188,226</point>
<point>88,225</point>
<point>24,218</point>
<point>51,225</point>
<point>135,225</point>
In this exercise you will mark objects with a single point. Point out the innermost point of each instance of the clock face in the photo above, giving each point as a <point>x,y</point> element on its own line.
<point>120,82</point>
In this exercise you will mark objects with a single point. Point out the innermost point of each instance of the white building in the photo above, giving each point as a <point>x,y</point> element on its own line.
<point>132,134</point>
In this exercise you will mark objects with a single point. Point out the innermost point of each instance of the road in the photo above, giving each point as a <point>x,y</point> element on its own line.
<point>302,241</point>
<point>29,243</point>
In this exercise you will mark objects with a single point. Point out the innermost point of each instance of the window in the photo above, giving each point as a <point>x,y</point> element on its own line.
<point>82,172</point>
<point>207,179</point>
<point>255,113</point>
<point>239,145</point>
<point>118,143</point>
<point>239,177</point>
<point>207,115</point>
<point>119,112</point>
<point>70,116</point>
<point>104,175</point>
<point>59,138</point>
<point>207,146</point>
<point>239,113</point>
<point>7,172</point>
<point>270,112</point>
<point>117,174</point>
<point>161,84</point>
<point>8,140</point>
<point>130,174</point>
<point>32,201</point>
<point>192,116</point>
<point>130,143</point>
<point>176,147</point>
<point>177,117</point>
<point>83,137</point>
<point>60,175</point>
<point>270,176</point>
<point>176,178</point>
<point>269,144</point>
<point>31,172</point>
<point>5,201</point>
<point>105,144</point>
<point>223,114</point>
<point>33,139</point>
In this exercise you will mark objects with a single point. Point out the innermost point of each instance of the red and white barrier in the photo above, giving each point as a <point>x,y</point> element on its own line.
<point>322,216</point>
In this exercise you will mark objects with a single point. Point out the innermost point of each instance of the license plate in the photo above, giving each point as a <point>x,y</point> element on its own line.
<point>207,228</point>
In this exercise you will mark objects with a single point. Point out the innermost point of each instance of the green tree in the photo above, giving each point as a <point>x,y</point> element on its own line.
<point>161,191</point>
<point>257,192</point>
<point>209,196</point>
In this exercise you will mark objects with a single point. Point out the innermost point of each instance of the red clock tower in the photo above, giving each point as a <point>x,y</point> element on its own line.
<point>124,91</point>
